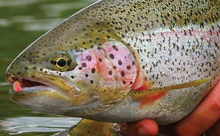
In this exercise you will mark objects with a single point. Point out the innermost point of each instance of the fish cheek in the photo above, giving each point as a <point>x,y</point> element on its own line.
<point>84,73</point>
<point>109,70</point>
<point>94,73</point>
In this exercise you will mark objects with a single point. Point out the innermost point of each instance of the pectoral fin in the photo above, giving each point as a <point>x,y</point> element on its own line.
<point>150,95</point>
<point>93,128</point>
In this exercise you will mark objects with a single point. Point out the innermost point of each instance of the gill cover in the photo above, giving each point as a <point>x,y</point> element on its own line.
<point>108,71</point>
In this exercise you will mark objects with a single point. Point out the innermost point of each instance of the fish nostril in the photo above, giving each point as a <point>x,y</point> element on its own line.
<point>9,77</point>
<point>12,67</point>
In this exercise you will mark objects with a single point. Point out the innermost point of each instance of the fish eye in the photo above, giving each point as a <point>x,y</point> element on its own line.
<point>62,63</point>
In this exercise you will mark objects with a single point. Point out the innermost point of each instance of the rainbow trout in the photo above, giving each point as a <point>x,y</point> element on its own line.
<point>121,61</point>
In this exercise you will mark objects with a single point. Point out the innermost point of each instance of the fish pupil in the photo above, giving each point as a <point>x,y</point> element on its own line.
<point>61,62</point>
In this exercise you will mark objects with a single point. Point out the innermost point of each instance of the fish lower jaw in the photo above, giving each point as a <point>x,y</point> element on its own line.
<point>38,88</point>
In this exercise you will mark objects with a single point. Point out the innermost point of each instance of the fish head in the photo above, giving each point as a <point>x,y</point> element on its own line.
<point>77,64</point>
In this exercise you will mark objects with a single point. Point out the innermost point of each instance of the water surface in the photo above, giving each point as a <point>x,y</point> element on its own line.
<point>21,22</point>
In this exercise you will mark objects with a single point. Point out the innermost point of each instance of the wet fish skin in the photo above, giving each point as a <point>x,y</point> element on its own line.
<point>172,42</point>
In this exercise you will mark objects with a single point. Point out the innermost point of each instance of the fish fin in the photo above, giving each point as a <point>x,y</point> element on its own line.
<point>93,128</point>
<point>150,95</point>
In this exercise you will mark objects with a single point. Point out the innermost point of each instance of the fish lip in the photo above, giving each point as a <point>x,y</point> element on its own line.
<point>32,89</point>
<point>30,85</point>
<point>41,85</point>
<point>27,83</point>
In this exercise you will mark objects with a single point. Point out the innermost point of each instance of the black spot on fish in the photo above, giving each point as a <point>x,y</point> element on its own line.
<point>111,56</point>
<point>110,72</point>
<point>122,73</point>
<point>133,63</point>
<point>114,47</point>
<point>89,58</point>
<point>128,67</point>
<point>93,70</point>
<point>119,62</point>
<point>83,64</point>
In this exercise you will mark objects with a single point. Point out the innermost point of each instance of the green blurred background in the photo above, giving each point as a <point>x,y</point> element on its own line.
<point>21,22</point>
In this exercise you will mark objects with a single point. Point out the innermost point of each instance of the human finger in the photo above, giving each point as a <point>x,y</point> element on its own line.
<point>146,127</point>
<point>214,130</point>
<point>203,117</point>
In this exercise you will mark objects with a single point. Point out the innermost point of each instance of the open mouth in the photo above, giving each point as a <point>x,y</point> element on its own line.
<point>43,83</point>
<point>23,85</point>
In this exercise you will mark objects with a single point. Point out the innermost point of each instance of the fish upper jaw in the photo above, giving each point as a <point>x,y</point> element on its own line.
<point>39,78</point>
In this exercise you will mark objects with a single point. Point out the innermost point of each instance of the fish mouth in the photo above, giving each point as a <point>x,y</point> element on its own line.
<point>38,81</point>
<point>30,85</point>
<point>49,94</point>
<point>26,92</point>
<point>40,96</point>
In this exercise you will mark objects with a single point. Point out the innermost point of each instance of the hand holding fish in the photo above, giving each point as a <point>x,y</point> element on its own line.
<point>204,119</point>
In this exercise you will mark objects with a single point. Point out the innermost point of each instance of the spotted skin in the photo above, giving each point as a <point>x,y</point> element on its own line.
<point>122,46</point>
<point>124,65</point>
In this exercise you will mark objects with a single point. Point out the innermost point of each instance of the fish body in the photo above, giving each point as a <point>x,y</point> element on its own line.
<point>122,61</point>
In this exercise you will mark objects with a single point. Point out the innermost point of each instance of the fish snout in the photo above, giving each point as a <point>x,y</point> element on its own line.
<point>18,70</point>
<point>9,77</point>
<point>12,74</point>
